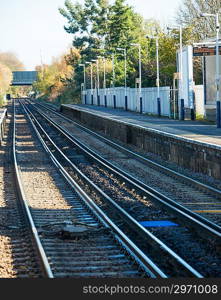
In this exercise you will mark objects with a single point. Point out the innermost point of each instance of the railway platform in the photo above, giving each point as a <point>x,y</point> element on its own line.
<point>192,130</point>
<point>194,145</point>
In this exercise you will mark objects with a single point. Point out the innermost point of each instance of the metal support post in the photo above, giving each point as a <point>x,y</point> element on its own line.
<point>141,105</point>
<point>182,111</point>
<point>158,107</point>
<point>218,122</point>
<point>126,104</point>
<point>115,104</point>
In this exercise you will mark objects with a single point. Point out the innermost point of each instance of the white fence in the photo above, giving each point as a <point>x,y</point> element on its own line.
<point>149,99</point>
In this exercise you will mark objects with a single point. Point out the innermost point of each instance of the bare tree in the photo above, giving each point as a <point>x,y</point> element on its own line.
<point>189,16</point>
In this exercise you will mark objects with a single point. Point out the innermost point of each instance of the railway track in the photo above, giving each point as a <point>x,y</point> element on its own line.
<point>199,197</point>
<point>18,257</point>
<point>136,198</point>
<point>73,236</point>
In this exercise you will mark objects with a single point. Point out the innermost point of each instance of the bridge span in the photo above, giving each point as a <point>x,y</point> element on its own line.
<point>23,77</point>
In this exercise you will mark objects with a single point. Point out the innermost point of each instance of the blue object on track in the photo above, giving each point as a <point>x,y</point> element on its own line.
<point>157,223</point>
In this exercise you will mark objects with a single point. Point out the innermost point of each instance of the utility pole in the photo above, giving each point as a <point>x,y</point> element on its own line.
<point>84,90</point>
<point>91,67</point>
<point>181,104</point>
<point>113,70</point>
<point>140,76</point>
<point>158,73</point>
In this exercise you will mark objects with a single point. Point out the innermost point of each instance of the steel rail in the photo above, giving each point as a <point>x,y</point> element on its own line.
<point>133,223</point>
<point>21,196</point>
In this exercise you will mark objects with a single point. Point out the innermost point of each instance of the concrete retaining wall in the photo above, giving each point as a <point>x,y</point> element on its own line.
<point>193,155</point>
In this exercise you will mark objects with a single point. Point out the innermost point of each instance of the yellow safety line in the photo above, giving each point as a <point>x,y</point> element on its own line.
<point>203,203</point>
<point>208,211</point>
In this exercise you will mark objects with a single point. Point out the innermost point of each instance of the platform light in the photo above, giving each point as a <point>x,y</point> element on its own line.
<point>181,105</point>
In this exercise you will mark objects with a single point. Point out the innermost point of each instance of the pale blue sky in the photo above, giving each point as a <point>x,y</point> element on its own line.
<point>30,28</point>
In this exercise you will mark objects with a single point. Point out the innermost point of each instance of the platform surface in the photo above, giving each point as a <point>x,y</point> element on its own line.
<point>193,130</point>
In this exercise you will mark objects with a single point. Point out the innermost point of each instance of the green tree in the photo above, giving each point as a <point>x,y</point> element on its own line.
<point>87,23</point>
<point>123,25</point>
<point>54,80</point>
<point>99,27</point>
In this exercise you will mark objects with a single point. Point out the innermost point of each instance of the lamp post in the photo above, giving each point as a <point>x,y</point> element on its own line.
<point>105,91</point>
<point>216,16</point>
<point>158,73</point>
<point>104,82</point>
<point>113,75</point>
<point>181,115</point>
<point>140,78</point>
<point>98,81</point>
<point>91,66</point>
<point>125,71</point>
<point>84,90</point>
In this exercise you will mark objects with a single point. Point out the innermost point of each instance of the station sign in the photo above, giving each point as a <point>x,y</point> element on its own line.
<point>205,51</point>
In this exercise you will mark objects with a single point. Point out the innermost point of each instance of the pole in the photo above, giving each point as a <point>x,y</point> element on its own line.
<point>98,79</point>
<point>158,78</point>
<point>104,76</point>
<point>174,98</point>
<point>140,70</point>
<point>125,74</point>
<point>125,78</point>
<point>218,123</point>
<point>84,84</point>
<point>105,96</point>
<point>140,84</point>
<point>125,70</point>
<point>158,69</point>
<point>84,78</point>
<point>95,83</point>
<point>113,67</point>
<point>91,83</point>
<point>98,84</point>
<point>181,114</point>
<point>91,77</point>
<point>85,93</point>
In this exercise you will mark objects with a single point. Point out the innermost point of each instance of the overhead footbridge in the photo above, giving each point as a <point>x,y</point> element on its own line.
<point>24,77</point>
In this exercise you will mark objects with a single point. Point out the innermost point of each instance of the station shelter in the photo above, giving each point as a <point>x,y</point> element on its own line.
<point>200,98</point>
